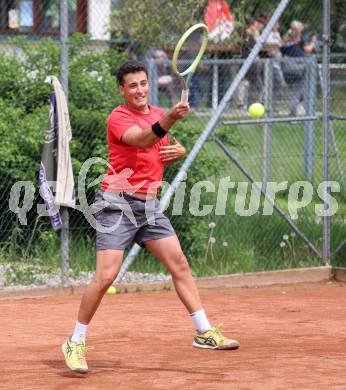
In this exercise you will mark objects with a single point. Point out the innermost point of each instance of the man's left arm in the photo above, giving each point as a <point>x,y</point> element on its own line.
<point>172,153</point>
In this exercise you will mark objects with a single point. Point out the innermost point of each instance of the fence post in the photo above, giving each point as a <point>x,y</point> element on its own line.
<point>267,127</point>
<point>309,105</point>
<point>326,125</point>
<point>152,78</point>
<point>215,86</point>
<point>64,234</point>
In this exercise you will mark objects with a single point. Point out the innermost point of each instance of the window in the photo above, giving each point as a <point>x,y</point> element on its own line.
<point>40,17</point>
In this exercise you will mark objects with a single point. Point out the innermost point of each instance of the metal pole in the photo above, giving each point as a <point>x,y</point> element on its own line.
<point>270,120</point>
<point>326,124</point>
<point>63,46</point>
<point>338,249</point>
<point>215,88</point>
<point>267,128</point>
<point>64,234</point>
<point>309,105</point>
<point>154,86</point>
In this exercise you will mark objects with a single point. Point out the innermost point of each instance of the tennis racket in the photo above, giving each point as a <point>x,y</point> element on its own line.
<point>187,54</point>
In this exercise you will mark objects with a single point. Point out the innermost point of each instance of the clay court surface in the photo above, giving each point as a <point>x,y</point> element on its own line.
<point>292,337</point>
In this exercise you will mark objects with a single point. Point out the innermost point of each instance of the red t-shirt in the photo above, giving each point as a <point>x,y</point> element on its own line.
<point>133,169</point>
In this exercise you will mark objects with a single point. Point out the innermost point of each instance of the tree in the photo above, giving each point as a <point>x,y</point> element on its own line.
<point>154,23</point>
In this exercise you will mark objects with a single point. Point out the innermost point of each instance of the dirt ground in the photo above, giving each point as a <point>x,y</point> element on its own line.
<point>292,337</point>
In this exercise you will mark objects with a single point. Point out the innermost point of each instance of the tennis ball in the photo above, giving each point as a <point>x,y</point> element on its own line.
<point>111,290</point>
<point>256,110</point>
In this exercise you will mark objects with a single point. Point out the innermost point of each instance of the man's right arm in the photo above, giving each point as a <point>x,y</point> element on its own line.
<point>135,136</point>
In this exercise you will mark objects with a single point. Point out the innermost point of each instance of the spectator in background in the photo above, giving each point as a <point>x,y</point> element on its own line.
<point>164,78</point>
<point>219,20</point>
<point>196,90</point>
<point>294,44</point>
<point>262,20</point>
<point>252,85</point>
<point>294,71</point>
<point>274,37</point>
<point>274,44</point>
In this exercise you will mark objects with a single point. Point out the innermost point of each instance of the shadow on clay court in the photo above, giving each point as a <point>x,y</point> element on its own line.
<point>101,366</point>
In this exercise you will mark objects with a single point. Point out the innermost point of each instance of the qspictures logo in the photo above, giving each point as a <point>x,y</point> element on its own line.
<point>248,198</point>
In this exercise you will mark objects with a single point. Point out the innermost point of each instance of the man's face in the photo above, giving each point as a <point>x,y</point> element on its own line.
<point>135,90</point>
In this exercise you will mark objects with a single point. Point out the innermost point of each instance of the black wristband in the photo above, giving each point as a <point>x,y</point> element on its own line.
<point>158,130</point>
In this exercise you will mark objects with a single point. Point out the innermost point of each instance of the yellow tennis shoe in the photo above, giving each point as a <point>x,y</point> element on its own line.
<point>213,339</point>
<point>75,355</point>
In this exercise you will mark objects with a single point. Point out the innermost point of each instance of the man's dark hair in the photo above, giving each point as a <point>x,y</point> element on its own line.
<point>131,66</point>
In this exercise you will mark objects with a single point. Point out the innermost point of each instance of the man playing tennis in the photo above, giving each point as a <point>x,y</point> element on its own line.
<point>137,136</point>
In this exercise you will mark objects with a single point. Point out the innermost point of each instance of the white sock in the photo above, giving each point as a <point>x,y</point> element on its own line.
<point>200,320</point>
<point>79,332</point>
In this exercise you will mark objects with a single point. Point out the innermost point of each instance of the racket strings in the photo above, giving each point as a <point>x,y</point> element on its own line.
<point>189,50</point>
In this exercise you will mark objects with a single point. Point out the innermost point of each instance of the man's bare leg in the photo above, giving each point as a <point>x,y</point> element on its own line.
<point>108,264</point>
<point>170,254</point>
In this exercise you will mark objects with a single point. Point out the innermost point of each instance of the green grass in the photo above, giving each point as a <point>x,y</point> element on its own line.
<point>244,244</point>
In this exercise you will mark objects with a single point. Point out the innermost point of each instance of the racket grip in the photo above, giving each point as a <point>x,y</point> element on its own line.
<point>184,96</point>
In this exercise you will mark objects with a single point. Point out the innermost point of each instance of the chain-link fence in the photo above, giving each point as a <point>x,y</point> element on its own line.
<point>252,198</point>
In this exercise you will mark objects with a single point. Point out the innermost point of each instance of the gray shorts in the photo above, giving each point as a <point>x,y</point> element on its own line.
<point>123,219</point>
